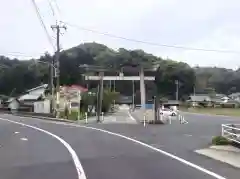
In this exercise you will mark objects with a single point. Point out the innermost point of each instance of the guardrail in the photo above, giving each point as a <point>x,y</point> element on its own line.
<point>231,132</point>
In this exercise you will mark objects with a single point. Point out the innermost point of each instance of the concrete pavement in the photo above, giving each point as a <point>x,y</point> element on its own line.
<point>102,155</point>
<point>121,116</point>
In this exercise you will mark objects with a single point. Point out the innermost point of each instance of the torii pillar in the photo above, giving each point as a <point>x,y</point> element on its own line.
<point>142,89</point>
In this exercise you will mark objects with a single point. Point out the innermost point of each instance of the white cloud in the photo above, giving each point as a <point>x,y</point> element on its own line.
<point>222,39</point>
<point>201,24</point>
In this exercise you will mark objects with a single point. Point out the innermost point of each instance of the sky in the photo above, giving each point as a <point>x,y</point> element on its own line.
<point>207,24</point>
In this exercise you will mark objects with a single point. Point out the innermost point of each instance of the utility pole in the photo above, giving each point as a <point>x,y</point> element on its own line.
<point>114,90</point>
<point>51,86</point>
<point>58,28</point>
<point>100,96</point>
<point>133,94</point>
<point>177,87</point>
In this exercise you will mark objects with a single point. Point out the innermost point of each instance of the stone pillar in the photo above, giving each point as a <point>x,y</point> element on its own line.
<point>142,88</point>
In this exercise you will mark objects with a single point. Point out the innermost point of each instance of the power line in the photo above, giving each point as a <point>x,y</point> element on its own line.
<point>151,43</point>
<point>57,6</point>
<point>42,23</point>
<point>51,7</point>
<point>19,54</point>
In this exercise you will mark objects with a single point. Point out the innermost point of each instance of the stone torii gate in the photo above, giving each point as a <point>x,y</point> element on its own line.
<point>142,78</point>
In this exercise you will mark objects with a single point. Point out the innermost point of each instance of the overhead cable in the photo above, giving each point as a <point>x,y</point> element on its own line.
<point>151,43</point>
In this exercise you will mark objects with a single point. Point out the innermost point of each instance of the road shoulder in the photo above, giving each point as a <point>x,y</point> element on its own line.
<point>225,154</point>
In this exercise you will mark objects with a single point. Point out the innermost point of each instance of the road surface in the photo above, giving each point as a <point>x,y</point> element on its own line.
<point>28,153</point>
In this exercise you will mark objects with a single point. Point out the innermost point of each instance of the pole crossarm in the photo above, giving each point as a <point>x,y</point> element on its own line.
<point>47,63</point>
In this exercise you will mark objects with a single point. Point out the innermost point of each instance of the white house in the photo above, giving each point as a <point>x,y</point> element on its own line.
<point>28,99</point>
<point>34,93</point>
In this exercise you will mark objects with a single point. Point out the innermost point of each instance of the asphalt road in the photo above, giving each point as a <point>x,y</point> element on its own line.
<point>103,155</point>
<point>183,139</point>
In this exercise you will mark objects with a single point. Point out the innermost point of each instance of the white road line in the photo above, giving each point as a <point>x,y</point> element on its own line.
<point>188,135</point>
<point>16,132</point>
<point>24,139</point>
<point>160,151</point>
<point>143,144</point>
<point>79,168</point>
<point>130,115</point>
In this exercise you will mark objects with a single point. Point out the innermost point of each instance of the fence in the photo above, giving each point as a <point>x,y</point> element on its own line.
<point>178,117</point>
<point>231,132</point>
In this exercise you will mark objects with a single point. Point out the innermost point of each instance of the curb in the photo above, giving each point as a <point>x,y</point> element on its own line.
<point>82,122</point>
<point>46,118</point>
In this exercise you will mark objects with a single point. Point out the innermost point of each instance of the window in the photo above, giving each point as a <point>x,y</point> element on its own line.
<point>74,104</point>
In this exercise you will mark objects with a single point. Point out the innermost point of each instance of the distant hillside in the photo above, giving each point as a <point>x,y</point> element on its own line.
<point>21,75</point>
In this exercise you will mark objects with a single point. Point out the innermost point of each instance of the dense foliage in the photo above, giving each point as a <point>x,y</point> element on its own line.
<point>16,76</point>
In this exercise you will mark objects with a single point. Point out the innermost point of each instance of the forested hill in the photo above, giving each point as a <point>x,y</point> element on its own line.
<point>17,76</point>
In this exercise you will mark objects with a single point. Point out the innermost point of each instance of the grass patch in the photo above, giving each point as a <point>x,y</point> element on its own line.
<point>220,140</point>
<point>72,116</point>
<point>215,111</point>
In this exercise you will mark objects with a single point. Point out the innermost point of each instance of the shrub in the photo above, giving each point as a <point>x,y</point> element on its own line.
<point>156,122</point>
<point>220,140</point>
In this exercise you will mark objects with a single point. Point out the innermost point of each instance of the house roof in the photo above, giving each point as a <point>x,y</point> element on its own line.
<point>30,97</point>
<point>234,95</point>
<point>220,95</point>
<point>38,87</point>
<point>171,102</point>
<point>198,98</point>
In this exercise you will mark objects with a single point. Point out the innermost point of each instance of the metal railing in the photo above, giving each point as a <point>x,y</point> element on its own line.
<point>231,132</point>
<point>178,117</point>
<point>167,119</point>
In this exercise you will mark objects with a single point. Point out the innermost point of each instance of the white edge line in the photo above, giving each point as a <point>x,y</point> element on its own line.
<point>130,115</point>
<point>79,168</point>
<point>141,143</point>
<point>160,151</point>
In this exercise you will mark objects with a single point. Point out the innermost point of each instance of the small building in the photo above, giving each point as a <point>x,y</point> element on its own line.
<point>70,96</point>
<point>171,104</point>
<point>220,99</point>
<point>124,100</point>
<point>235,96</point>
<point>195,100</point>
<point>25,102</point>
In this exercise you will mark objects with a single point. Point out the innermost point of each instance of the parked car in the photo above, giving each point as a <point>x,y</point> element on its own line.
<point>167,112</point>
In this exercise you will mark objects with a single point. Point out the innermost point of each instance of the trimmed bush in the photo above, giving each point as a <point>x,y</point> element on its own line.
<point>155,122</point>
<point>220,140</point>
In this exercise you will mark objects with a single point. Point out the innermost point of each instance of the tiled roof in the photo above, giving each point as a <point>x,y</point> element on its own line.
<point>29,97</point>
<point>38,87</point>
